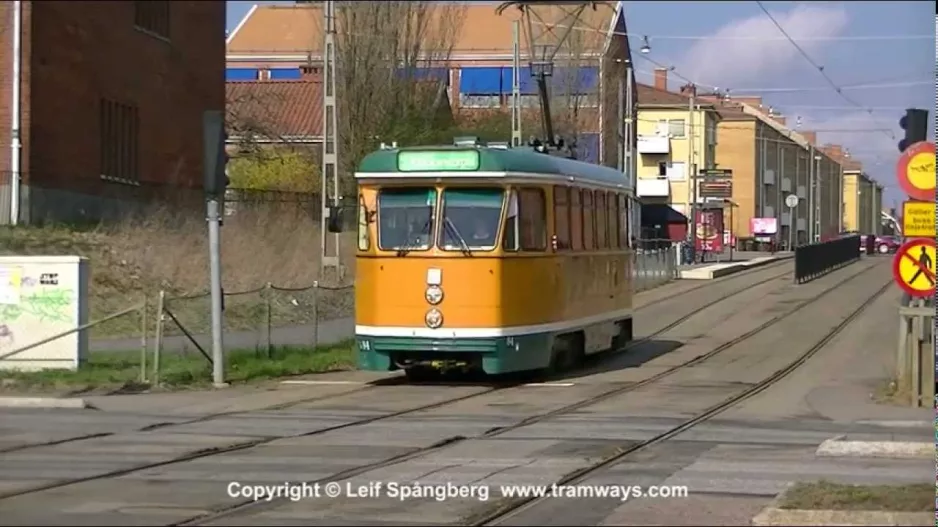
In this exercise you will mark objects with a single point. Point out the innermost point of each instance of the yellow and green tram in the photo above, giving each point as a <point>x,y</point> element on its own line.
<point>501,260</point>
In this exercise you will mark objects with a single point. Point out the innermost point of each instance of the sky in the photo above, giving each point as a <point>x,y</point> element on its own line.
<point>735,46</point>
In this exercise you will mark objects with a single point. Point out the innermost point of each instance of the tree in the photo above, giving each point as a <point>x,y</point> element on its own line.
<point>386,54</point>
<point>272,170</point>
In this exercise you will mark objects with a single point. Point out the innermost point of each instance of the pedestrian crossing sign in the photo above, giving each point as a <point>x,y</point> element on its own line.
<point>914,267</point>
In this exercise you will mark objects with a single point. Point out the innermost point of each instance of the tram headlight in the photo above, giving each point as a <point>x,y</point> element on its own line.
<point>433,318</point>
<point>434,295</point>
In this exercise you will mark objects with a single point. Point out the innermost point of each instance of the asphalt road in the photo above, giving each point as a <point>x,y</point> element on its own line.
<point>732,465</point>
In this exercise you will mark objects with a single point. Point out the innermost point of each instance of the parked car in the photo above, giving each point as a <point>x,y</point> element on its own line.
<point>887,244</point>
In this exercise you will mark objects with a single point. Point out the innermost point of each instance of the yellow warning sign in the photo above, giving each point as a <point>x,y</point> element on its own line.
<point>921,171</point>
<point>918,219</point>
<point>914,267</point>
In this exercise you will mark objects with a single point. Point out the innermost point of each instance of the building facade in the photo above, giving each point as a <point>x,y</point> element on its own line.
<point>106,99</point>
<point>673,143</point>
<point>770,162</point>
<point>862,202</point>
<point>593,90</point>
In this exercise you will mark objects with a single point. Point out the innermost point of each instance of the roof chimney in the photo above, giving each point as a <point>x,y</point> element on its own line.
<point>780,119</point>
<point>309,71</point>
<point>810,137</point>
<point>689,90</point>
<point>661,79</point>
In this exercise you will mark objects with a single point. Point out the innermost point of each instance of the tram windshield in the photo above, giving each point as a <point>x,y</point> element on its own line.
<point>470,218</point>
<point>405,218</point>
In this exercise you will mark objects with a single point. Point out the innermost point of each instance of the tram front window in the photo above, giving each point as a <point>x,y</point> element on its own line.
<point>470,218</point>
<point>405,218</point>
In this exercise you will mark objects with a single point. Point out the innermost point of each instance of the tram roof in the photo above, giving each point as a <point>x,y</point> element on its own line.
<point>507,161</point>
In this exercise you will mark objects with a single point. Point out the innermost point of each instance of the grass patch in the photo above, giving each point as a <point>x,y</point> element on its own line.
<point>114,370</point>
<point>166,248</point>
<point>824,495</point>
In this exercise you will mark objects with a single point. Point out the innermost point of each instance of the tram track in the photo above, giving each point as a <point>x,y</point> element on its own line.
<point>402,381</point>
<point>256,506</point>
<point>255,442</point>
<point>513,507</point>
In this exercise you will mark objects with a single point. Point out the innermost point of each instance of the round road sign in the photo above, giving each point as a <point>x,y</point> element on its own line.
<point>914,267</point>
<point>915,171</point>
<point>791,200</point>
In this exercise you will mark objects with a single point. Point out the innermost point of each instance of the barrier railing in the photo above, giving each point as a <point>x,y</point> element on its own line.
<point>817,259</point>
<point>915,354</point>
<point>652,268</point>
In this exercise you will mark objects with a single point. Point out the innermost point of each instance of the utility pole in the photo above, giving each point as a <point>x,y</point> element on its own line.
<point>330,148</point>
<point>634,206</point>
<point>516,85</point>
<point>817,200</point>
<point>811,178</point>
<point>692,164</point>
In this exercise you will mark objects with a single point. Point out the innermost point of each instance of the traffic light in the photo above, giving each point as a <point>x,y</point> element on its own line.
<point>215,157</point>
<point>915,124</point>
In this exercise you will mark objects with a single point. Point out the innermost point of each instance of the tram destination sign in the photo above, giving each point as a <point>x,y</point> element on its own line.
<point>438,160</point>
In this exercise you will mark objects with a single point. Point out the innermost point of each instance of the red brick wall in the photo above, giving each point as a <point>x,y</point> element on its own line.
<point>83,51</point>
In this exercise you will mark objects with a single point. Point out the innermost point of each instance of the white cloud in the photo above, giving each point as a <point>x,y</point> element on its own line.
<point>877,150</point>
<point>738,57</point>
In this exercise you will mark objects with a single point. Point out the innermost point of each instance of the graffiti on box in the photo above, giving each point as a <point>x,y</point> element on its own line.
<point>40,298</point>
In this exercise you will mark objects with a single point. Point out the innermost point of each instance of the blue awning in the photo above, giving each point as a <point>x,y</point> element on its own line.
<point>285,73</point>
<point>564,80</point>
<point>480,81</point>
<point>241,74</point>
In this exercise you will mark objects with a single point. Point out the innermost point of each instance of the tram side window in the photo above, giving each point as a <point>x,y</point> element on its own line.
<point>589,228</point>
<point>623,222</point>
<point>533,216</point>
<point>526,228</point>
<point>601,238</point>
<point>576,221</point>
<point>562,217</point>
<point>612,219</point>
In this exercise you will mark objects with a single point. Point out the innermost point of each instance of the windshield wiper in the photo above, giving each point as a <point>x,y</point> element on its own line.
<point>455,232</point>
<point>403,250</point>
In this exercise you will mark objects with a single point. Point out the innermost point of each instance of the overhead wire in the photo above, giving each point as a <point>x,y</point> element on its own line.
<point>811,61</point>
<point>672,70</point>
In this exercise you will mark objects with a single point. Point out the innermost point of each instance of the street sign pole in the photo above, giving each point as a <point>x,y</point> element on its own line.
<point>792,202</point>
<point>215,181</point>
<point>914,263</point>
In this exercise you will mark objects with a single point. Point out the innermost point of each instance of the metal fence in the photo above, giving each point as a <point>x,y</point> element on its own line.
<point>653,268</point>
<point>261,320</point>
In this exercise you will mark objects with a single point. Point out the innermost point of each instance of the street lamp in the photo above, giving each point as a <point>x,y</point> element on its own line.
<point>645,47</point>
<point>817,198</point>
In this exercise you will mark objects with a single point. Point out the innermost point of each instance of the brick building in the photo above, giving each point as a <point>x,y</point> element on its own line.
<point>110,102</point>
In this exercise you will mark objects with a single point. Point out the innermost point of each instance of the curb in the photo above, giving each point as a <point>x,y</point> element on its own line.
<point>43,402</point>
<point>838,447</point>
<point>787,517</point>
<point>735,268</point>
<point>897,424</point>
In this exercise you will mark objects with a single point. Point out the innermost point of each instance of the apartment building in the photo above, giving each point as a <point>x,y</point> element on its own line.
<point>673,142</point>
<point>771,161</point>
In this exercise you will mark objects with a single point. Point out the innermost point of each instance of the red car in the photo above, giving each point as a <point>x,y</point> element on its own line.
<point>887,244</point>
